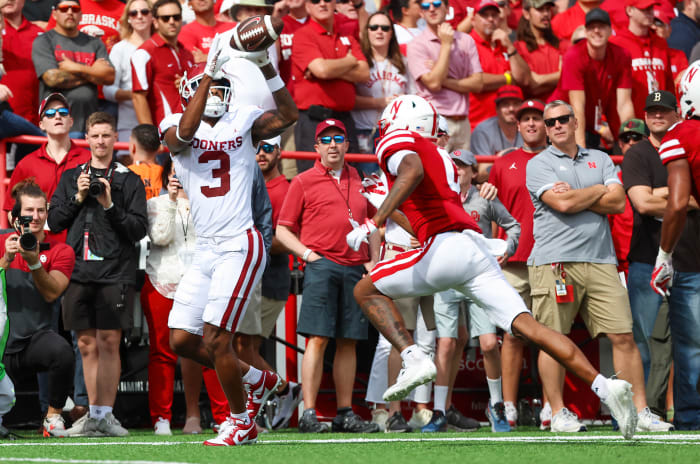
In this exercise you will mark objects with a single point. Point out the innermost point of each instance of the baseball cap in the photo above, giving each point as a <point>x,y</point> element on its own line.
<point>226,5</point>
<point>325,124</point>
<point>540,3</point>
<point>532,104</point>
<point>58,2</point>
<point>55,96</point>
<point>465,156</point>
<point>642,4</point>
<point>664,13</point>
<point>596,15</point>
<point>509,91</point>
<point>273,141</point>
<point>442,126</point>
<point>483,4</point>
<point>662,98</point>
<point>633,125</point>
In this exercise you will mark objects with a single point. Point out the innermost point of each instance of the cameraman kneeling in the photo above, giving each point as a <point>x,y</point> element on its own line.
<point>37,271</point>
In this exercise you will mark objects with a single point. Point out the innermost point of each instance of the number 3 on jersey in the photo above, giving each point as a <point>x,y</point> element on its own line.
<point>221,173</point>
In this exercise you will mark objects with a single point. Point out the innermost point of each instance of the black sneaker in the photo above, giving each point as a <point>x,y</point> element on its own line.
<point>352,423</point>
<point>526,416</point>
<point>397,424</point>
<point>309,423</point>
<point>459,422</point>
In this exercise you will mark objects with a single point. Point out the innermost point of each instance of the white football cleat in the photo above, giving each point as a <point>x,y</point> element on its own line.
<point>414,373</point>
<point>621,406</point>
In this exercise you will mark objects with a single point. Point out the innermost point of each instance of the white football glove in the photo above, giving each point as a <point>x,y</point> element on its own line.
<point>662,277</point>
<point>360,233</point>
<point>375,189</point>
<point>215,58</point>
<point>259,58</point>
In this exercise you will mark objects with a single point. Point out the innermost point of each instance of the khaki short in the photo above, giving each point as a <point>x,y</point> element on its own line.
<point>251,324</point>
<point>518,278</point>
<point>598,295</point>
<point>408,307</point>
<point>271,310</point>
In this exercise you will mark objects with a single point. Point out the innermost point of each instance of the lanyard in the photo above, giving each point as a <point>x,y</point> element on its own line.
<point>345,198</point>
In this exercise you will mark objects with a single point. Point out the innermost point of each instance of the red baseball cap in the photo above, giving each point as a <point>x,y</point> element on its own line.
<point>532,104</point>
<point>664,13</point>
<point>642,4</point>
<point>509,91</point>
<point>55,96</point>
<point>483,4</point>
<point>326,123</point>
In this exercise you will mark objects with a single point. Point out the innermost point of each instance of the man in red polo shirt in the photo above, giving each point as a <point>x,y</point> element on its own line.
<point>57,155</point>
<point>651,66</point>
<point>321,207</point>
<point>595,79</point>
<point>500,61</point>
<point>508,175</point>
<point>565,23</point>
<point>20,76</point>
<point>196,36</point>
<point>158,65</point>
<point>325,67</point>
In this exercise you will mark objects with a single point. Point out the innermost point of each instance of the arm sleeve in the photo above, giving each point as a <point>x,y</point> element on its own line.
<point>141,73</point>
<point>634,170</point>
<point>63,260</point>
<point>469,48</point>
<point>130,220</point>
<point>62,211</point>
<point>609,171</point>
<point>417,55</point>
<point>571,73</point>
<point>262,209</point>
<point>43,55</point>
<point>539,177</point>
<point>290,214</point>
<point>508,223</point>
<point>161,220</point>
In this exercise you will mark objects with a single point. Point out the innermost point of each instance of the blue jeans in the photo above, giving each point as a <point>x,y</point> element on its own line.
<point>12,125</point>
<point>684,319</point>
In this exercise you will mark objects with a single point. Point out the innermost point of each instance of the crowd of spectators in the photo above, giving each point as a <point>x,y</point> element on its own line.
<point>548,87</point>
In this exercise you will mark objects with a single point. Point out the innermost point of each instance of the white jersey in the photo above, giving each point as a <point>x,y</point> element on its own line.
<point>217,172</point>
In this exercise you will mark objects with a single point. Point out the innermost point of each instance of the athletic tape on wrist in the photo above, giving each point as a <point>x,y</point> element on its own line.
<point>275,83</point>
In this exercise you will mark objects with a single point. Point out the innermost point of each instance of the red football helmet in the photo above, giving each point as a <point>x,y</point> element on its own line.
<point>216,105</point>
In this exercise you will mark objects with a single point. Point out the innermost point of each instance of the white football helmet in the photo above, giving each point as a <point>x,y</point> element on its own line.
<point>216,106</point>
<point>690,91</point>
<point>410,112</point>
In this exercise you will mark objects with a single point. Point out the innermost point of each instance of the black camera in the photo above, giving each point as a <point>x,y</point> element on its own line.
<point>96,187</point>
<point>27,240</point>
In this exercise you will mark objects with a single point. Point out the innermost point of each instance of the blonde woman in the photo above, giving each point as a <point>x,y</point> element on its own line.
<point>136,26</point>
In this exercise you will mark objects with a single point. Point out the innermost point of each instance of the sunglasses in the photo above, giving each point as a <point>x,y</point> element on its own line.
<point>266,147</point>
<point>135,13</point>
<point>562,120</point>
<point>426,5</point>
<point>166,18</point>
<point>316,2</point>
<point>50,113</point>
<point>326,140</point>
<point>375,27</point>
<point>67,8</point>
<point>631,137</point>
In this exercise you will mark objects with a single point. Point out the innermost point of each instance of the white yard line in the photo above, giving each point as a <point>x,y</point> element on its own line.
<point>84,461</point>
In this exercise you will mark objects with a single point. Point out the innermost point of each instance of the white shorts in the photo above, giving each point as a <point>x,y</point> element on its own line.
<point>217,286</point>
<point>452,260</point>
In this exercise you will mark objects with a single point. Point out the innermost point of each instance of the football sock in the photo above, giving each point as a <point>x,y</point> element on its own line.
<point>252,376</point>
<point>440,393</point>
<point>495,390</point>
<point>344,411</point>
<point>242,416</point>
<point>411,353</point>
<point>96,412</point>
<point>600,387</point>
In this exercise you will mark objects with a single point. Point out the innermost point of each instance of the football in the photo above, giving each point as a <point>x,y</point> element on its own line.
<point>256,33</point>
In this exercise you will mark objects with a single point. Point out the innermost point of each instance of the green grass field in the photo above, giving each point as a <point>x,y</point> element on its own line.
<point>527,445</point>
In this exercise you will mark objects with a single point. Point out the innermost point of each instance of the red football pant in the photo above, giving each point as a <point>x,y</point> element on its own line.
<point>162,361</point>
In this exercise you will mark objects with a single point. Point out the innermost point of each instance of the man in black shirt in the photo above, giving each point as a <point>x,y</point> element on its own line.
<point>644,178</point>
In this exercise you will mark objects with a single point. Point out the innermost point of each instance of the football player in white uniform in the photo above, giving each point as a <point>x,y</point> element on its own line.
<point>213,150</point>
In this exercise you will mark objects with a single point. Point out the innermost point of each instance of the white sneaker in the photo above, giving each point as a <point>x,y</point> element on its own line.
<point>86,426</point>
<point>650,422</point>
<point>380,417</point>
<point>420,418</point>
<point>414,373</point>
<point>111,427</point>
<point>54,426</point>
<point>621,406</point>
<point>567,422</point>
<point>511,414</point>
<point>162,427</point>
<point>546,416</point>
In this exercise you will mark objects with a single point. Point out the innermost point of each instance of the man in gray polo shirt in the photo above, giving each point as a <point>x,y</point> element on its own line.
<point>572,266</point>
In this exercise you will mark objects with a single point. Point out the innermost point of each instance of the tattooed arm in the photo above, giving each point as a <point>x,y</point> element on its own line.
<point>273,123</point>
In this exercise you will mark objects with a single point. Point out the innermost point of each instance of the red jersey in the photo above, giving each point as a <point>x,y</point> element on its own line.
<point>600,79</point>
<point>544,59</point>
<point>153,69</point>
<point>482,105</point>
<point>100,19</point>
<point>43,168</point>
<point>291,25</point>
<point>310,42</point>
<point>679,63</point>
<point>651,66</point>
<point>434,205</point>
<point>457,10</point>
<point>59,257</point>
<point>681,141</point>
<point>621,230</point>
<point>21,77</point>
<point>508,173</point>
<point>277,189</point>
<point>196,35</point>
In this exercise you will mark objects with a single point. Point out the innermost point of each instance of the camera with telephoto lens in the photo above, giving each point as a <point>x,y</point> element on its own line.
<point>96,187</point>
<point>27,240</point>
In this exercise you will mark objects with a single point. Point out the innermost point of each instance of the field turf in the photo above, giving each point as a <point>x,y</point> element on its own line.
<point>526,445</point>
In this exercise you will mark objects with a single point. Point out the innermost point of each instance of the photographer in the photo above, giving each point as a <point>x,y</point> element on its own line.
<point>37,270</point>
<point>102,204</point>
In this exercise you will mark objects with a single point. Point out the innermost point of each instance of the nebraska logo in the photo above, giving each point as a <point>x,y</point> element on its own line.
<point>395,107</point>
<point>591,164</point>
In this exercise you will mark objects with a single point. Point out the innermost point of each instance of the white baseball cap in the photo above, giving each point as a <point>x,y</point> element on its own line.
<point>274,141</point>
